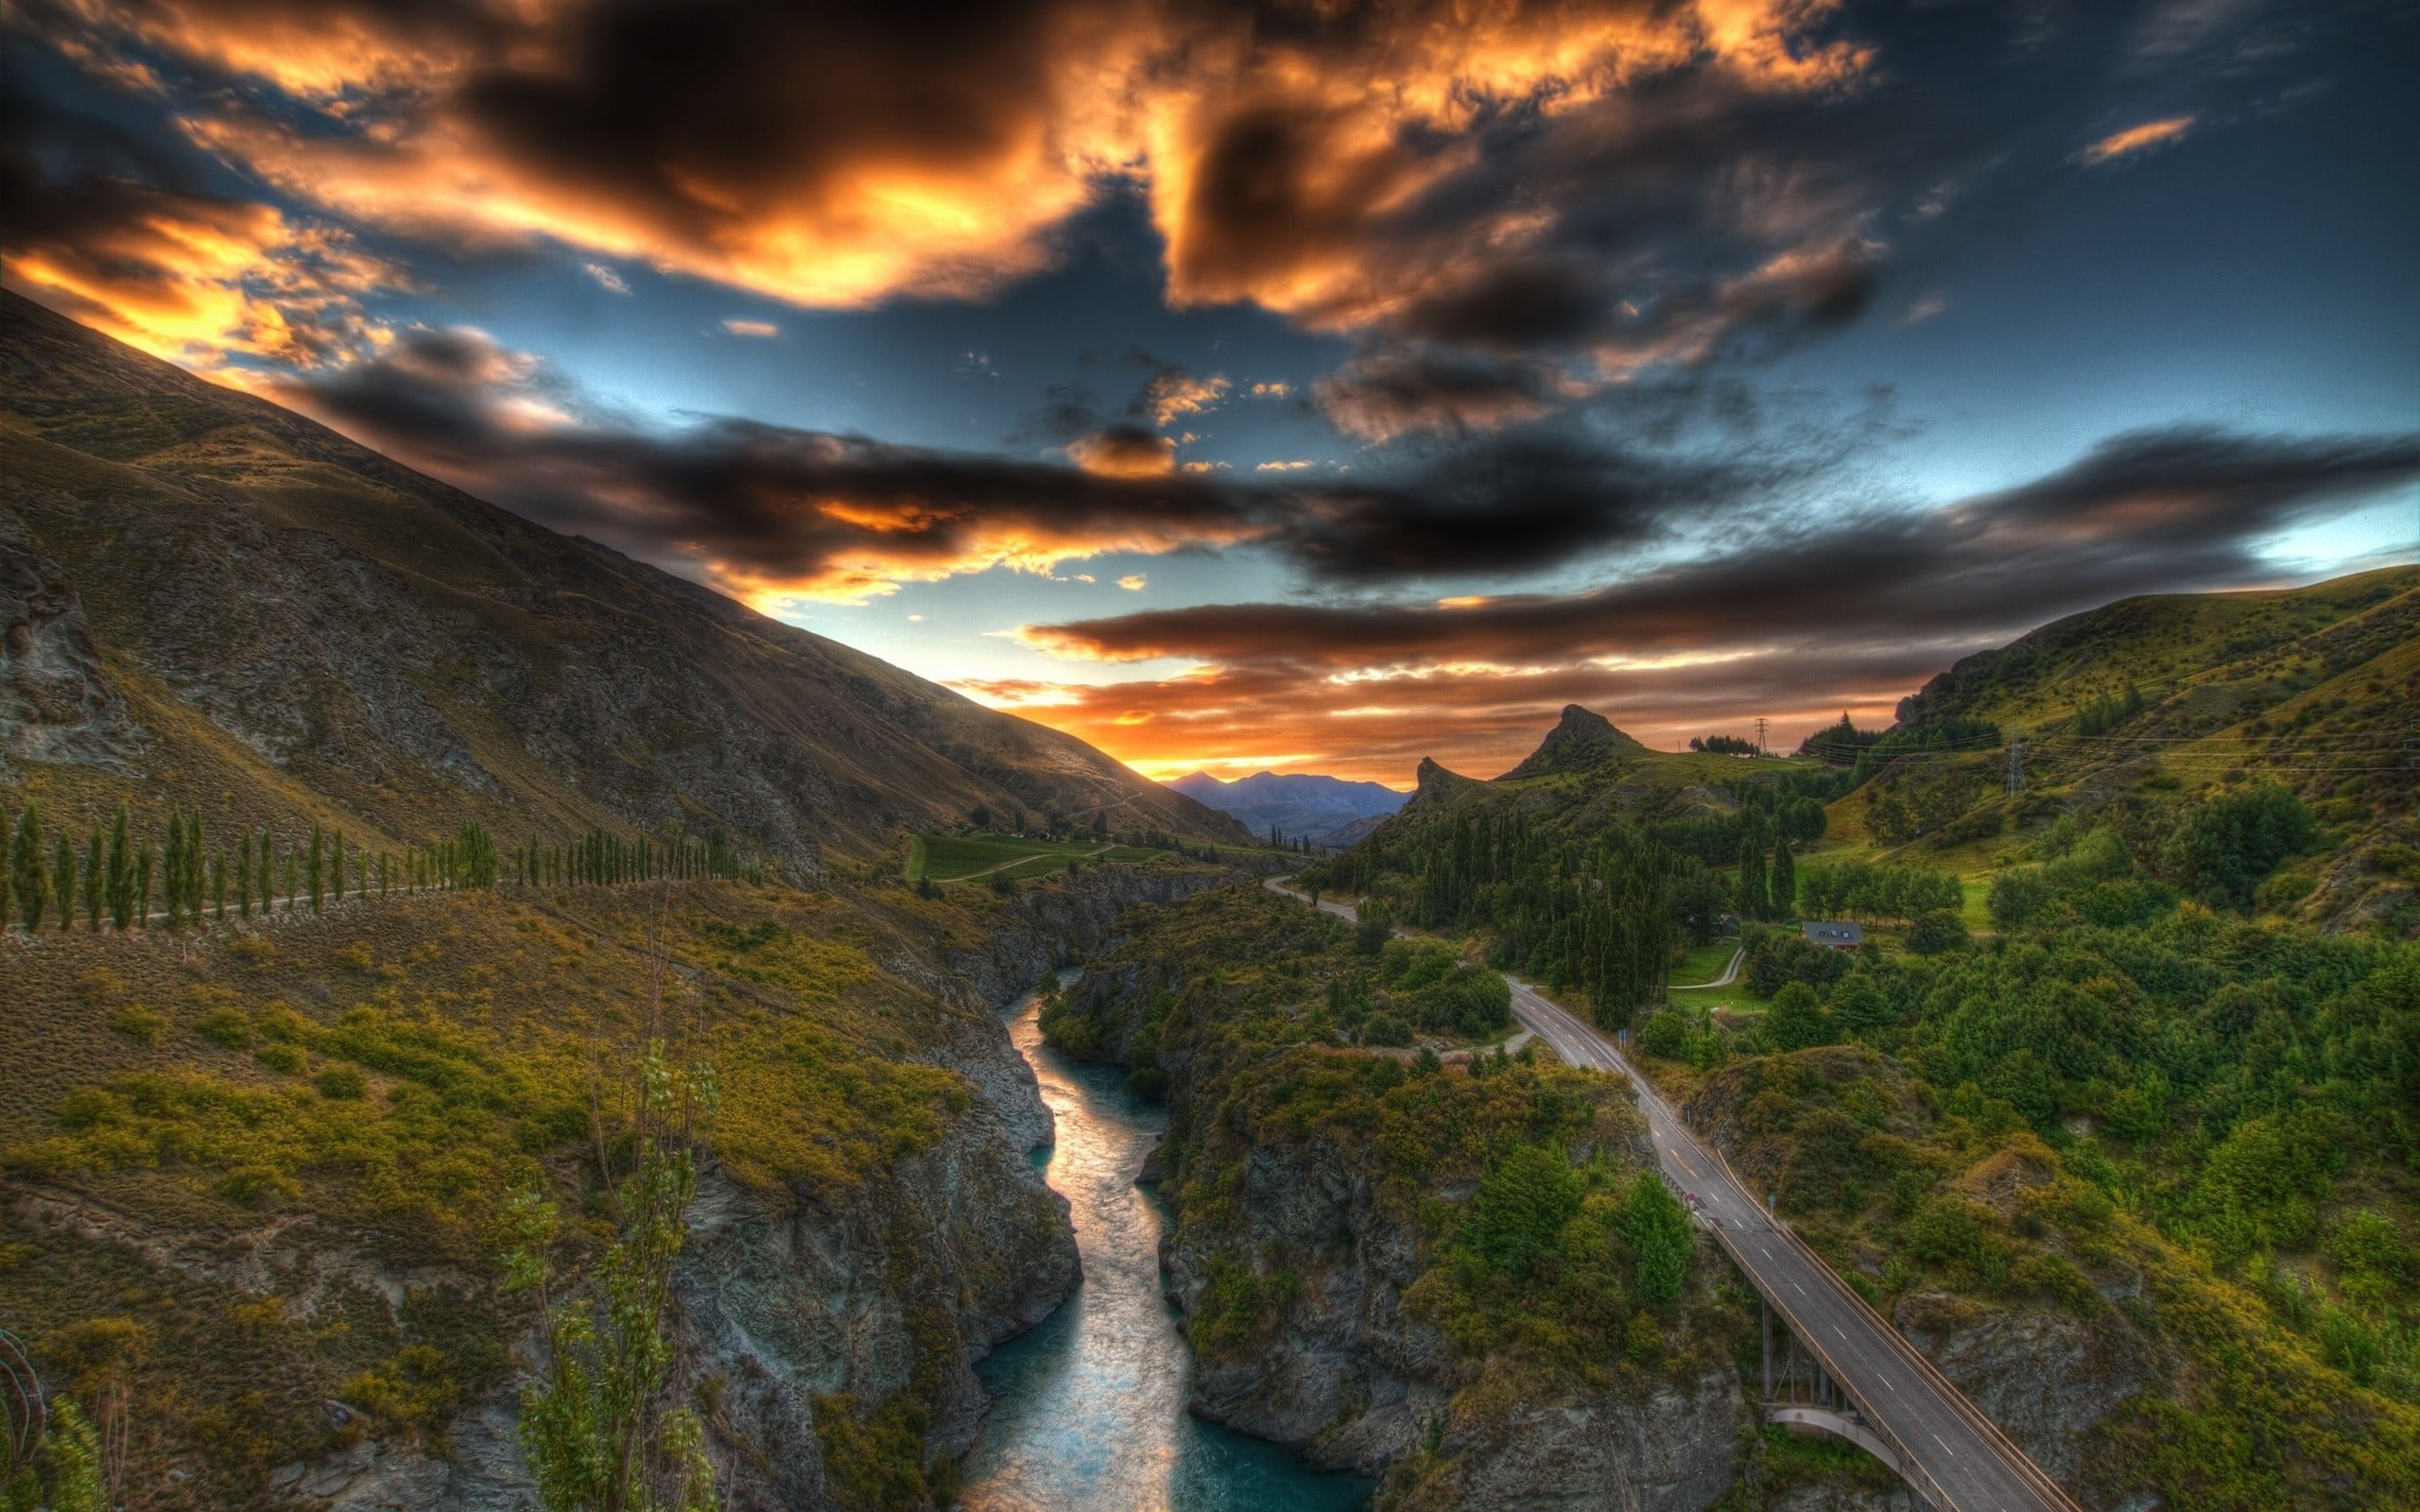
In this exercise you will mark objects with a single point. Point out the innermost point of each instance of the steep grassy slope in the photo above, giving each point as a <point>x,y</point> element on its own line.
<point>212,601</point>
<point>2128,708</point>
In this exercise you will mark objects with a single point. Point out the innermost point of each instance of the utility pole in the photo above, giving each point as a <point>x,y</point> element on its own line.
<point>1760,733</point>
<point>2016,760</point>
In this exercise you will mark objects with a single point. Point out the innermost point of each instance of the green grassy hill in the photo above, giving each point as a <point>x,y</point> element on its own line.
<point>2128,710</point>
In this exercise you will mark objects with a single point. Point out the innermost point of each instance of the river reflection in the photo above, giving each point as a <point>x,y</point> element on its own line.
<point>1088,1412</point>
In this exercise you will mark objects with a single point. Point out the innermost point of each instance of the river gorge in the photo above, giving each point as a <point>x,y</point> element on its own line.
<point>1088,1410</point>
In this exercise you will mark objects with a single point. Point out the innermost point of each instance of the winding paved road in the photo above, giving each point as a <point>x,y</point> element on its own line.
<point>1948,1450</point>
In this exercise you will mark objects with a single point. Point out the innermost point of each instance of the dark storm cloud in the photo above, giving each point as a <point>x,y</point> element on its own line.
<point>2146,512</point>
<point>759,505</point>
<point>1381,395</point>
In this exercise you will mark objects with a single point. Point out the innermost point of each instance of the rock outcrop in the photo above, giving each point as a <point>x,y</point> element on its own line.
<point>1578,741</point>
<point>1355,1381</point>
<point>57,702</point>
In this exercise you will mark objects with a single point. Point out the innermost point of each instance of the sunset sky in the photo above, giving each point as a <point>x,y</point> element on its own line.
<point>1309,385</point>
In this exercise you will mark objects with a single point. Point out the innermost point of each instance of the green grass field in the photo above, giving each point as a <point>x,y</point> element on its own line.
<point>1704,963</point>
<point>950,857</point>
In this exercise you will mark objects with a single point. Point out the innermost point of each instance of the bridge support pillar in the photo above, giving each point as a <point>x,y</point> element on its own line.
<point>1766,1310</point>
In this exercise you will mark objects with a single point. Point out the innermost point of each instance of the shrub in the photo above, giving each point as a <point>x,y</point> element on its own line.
<point>139,1023</point>
<point>228,1028</point>
<point>286,1060</point>
<point>1665,1034</point>
<point>342,1084</point>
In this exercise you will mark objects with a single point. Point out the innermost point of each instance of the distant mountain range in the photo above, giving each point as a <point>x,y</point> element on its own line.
<point>211,601</point>
<point>1327,810</point>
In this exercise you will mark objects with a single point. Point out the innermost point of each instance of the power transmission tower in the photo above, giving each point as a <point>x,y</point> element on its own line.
<point>2015,762</point>
<point>1760,734</point>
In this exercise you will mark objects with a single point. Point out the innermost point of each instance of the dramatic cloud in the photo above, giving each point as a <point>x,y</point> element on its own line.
<point>188,276</point>
<point>1797,624</point>
<point>767,511</point>
<point>1504,174</point>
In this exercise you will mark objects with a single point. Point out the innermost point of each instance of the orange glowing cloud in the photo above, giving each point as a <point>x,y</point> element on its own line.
<point>1478,723</point>
<point>198,280</point>
<point>2135,139</point>
<point>1122,452</point>
<point>843,164</point>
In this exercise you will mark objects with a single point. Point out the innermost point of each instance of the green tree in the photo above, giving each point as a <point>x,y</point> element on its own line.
<point>1795,1022</point>
<point>1935,932</point>
<point>1782,888</point>
<point>172,868</point>
<point>2223,849</point>
<point>25,869</point>
<point>1520,1207</point>
<point>1656,1228</point>
<point>95,880</point>
<point>314,869</point>
<point>62,879</point>
<point>121,870</point>
<point>139,885</point>
<point>1754,902</point>
<point>600,1429</point>
<point>1858,1004</point>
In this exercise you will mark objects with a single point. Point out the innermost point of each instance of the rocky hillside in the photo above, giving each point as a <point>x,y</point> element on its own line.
<point>1431,1272</point>
<point>209,600</point>
<point>255,1175</point>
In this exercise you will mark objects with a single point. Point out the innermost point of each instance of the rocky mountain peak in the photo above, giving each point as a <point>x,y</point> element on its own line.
<point>1580,739</point>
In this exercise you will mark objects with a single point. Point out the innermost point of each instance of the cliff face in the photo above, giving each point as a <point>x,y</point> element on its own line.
<point>900,1289</point>
<point>1354,1379</point>
<point>1318,1249</point>
<point>821,1303</point>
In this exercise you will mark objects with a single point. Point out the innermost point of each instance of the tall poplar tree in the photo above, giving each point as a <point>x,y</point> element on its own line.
<point>139,887</point>
<point>62,879</point>
<point>121,873</point>
<point>244,875</point>
<point>1783,885</point>
<point>95,880</point>
<point>25,866</point>
<point>1753,902</point>
<point>314,867</point>
<point>172,871</point>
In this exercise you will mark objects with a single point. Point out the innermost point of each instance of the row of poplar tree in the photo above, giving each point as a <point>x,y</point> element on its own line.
<point>176,880</point>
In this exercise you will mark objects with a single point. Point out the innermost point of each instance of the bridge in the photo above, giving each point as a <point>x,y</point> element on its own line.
<point>1849,1373</point>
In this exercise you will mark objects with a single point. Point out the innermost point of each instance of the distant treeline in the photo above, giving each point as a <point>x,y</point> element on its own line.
<point>1866,753</point>
<point>1874,894</point>
<point>179,878</point>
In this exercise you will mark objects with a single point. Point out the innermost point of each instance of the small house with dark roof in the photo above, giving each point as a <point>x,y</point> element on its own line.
<point>1839,936</point>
